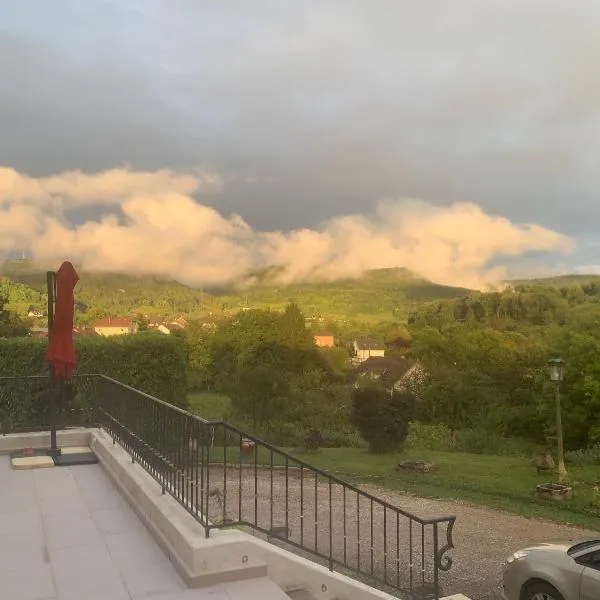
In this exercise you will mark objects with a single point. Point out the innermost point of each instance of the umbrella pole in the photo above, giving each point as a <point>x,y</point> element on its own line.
<point>51,285</point>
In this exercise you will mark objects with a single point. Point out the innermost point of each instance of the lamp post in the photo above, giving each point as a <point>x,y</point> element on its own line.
<point>556,367</point>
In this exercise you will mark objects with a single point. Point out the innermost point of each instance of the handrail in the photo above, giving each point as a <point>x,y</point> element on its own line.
<point>323,473</point>
<point>203,465</point>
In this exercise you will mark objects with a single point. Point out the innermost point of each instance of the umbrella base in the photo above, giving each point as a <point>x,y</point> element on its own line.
<point>75,458</point>
<point>36,458</point>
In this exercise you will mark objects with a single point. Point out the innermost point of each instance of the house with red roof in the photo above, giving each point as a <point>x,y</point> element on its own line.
<point>110,326</point>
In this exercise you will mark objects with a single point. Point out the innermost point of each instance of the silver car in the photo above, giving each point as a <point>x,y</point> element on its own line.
<point>554,571</point>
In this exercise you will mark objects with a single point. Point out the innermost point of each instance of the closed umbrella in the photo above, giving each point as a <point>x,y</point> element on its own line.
<point>61,349</point>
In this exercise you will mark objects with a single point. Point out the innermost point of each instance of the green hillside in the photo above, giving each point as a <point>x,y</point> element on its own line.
<point>383,294</point>
<point>378,295</point>
<point>559,280</point>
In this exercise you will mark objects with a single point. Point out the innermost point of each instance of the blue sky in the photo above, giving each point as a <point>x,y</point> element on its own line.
<point>327,106</point>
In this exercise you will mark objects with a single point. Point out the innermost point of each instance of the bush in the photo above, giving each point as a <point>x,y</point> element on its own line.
<point>480,441</point>
<point>425,436</point>
<point>349,438</point>
<point>313,441</point>
<point>382,418</point>
<point>150,363</point>
<point>438,437</point>
<point>584,456</point>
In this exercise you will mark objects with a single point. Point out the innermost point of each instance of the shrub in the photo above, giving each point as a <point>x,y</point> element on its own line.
<point>382,417</point>
<point>313,441</point>
<point>584,456</point>
<point>349,438</point>
<point>438,437</point>
<point>426,436</point>
<point>481,441</point>
<point>151,363</point>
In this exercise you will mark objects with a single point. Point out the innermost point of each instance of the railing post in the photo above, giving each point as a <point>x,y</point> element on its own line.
<point>330,528</point>
<point>436,587</point>
<point>206,515</point>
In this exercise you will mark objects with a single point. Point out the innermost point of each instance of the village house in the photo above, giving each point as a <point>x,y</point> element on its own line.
<point>367,348</point>
<point>394,374</point>
<point>180,322</point>
<point>110,326</point>
<point>161,327</point>
<point>35,313</point>
<point>324,339</point>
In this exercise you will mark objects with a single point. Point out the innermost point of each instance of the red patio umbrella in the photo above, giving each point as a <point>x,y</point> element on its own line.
<point>61,350</point>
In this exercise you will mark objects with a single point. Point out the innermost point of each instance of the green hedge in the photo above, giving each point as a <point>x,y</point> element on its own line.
<point>150,362</point>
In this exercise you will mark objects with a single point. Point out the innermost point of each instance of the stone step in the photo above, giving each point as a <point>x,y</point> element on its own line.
<point>257,588</point>
<point>300,595</point>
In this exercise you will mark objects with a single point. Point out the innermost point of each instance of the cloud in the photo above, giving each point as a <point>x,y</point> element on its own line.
<point>152,224</point>
<point>338,102</point>
<point>77,189</point>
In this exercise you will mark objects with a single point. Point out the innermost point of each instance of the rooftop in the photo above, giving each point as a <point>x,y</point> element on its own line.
<point>369,345</point>
<point>390,370</point>
<point>68,534</point>
<point>113,322</point>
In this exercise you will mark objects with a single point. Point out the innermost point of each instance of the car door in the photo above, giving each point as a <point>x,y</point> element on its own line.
<point>590,577</point>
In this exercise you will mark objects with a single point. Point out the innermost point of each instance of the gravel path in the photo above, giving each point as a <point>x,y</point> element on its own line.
<point>483,538</point>
<point>372,536</point>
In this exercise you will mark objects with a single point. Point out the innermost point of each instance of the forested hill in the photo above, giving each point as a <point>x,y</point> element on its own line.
<point>385,294</point>
<point>379,295</point>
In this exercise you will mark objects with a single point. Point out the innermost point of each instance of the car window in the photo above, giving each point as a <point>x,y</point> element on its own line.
<point>592,560</point>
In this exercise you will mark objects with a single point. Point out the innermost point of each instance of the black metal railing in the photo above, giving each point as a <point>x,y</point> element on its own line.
<point>225,477</point>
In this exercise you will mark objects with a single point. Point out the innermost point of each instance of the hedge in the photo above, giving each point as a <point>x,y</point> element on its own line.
<point>150,362</point>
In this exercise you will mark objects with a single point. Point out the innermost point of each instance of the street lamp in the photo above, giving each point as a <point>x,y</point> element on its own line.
<point>556,367</point>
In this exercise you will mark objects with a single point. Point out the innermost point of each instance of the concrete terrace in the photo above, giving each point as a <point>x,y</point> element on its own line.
<point>109,531</point>
<point>68,534</point>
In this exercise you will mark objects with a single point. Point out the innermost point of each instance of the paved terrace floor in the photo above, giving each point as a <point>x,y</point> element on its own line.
<point>67,534</point>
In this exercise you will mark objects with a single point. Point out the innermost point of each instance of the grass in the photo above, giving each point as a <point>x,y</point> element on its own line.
<point>209,405</point>
<point>504,482</point>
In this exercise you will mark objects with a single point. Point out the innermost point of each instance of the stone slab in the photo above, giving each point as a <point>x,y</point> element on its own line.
<point>76,450</point>
<point>32,462</point>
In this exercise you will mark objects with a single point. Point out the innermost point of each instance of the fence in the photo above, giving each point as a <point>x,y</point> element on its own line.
<point>227,478</point>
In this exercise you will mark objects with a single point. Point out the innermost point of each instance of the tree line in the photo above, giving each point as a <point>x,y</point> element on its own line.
<point>486,365</point>
<point>486,358</point>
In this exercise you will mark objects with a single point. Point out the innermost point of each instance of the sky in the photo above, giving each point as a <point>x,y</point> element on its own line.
<point>458,139</point>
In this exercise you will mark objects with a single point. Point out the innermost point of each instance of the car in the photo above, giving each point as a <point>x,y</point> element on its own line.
<point>554,571</point>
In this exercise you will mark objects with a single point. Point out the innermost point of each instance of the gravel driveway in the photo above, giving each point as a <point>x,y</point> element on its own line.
<point>374,537</point>
<point>483,538</point>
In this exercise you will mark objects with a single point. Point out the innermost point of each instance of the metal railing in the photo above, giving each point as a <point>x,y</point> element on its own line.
<point>225,477</point>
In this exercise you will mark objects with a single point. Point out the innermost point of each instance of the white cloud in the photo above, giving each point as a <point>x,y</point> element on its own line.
<point>154,225</point>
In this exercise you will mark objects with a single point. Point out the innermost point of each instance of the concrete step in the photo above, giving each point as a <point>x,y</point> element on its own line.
<point>258,588</point>
<point>300,595</point>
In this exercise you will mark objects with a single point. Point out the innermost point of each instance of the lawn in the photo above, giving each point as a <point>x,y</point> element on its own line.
<point>505,482</point>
